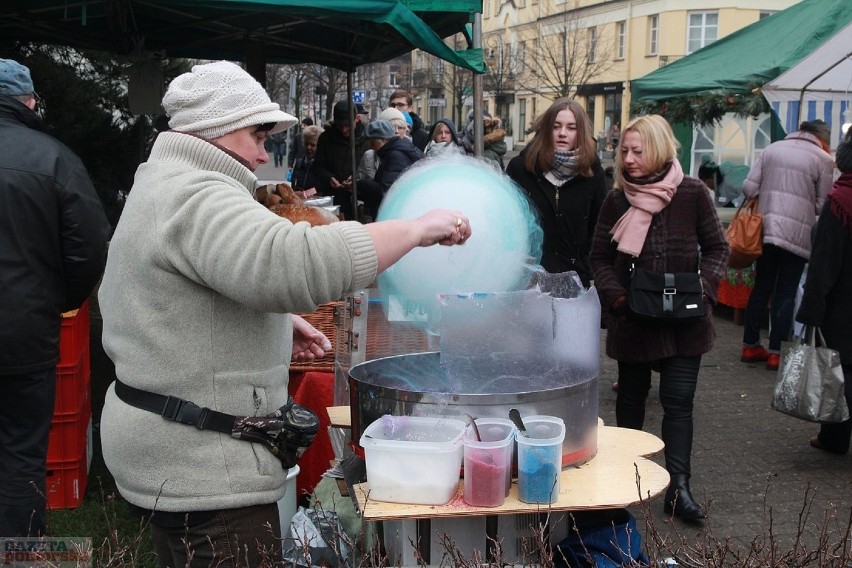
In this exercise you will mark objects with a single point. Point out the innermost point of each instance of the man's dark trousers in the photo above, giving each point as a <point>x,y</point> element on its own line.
<point>25,418</point>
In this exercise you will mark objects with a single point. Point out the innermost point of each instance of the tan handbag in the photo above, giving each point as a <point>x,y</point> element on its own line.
<point>745,235</point>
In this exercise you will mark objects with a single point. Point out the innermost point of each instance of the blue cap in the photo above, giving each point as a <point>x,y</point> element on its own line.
<point>15,78</point>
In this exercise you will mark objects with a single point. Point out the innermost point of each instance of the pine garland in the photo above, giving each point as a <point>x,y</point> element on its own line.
<point>707,109</point>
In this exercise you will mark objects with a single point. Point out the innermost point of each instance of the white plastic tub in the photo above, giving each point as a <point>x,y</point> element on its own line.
<point>413,459</point>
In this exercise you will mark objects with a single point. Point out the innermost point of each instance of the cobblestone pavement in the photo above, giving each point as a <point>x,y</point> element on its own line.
<point>752,466</point>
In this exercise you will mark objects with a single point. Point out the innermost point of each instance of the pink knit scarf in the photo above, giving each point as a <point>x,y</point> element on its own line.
<point>646,199</point>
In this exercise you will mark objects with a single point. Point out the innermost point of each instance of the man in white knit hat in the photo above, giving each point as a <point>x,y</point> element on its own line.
<point>197,298</point>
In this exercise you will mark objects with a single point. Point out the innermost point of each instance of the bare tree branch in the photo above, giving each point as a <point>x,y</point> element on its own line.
<point>570,52</point>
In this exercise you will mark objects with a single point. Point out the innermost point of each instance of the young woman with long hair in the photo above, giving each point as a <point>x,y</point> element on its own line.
<point>560,172</point>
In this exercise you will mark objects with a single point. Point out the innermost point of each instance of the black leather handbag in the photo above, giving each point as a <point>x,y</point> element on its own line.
<point>665,298</point>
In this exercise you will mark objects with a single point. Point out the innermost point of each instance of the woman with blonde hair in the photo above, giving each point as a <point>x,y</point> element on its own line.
<point>560,171</point>
<point>660,220</point>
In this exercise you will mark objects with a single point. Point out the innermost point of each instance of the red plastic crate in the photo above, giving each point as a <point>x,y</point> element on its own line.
<point>73,384</point>
<point>74,337</point>
<point>67,481</point>
<point>68,434</point>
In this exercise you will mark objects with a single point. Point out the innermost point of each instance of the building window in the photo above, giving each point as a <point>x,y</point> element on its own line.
<point>620,36</point>
<point>703,30</point>
<point>520,58</point>
<point>593,44</point>
<point>522,119</point>
<point>590,108</point>
<point>438,69</point>
<point>653,33</point>
<point>392,79</point>
<point>612,109</point>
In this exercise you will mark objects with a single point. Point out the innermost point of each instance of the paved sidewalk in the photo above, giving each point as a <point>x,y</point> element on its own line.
<point>748,460</point>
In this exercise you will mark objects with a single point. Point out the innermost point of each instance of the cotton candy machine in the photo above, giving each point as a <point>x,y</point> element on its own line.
<point>528,350</point>
<point>418,385</point>
<point>525,339</point>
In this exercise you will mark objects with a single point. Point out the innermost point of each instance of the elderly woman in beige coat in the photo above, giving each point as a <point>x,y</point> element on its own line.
<point>197,301</point>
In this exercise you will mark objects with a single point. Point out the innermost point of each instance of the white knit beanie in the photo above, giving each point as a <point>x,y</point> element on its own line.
<point>217,98</point>
<point>391,113</point>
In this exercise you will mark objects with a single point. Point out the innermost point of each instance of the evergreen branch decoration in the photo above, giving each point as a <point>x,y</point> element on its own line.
<point>707,109</point>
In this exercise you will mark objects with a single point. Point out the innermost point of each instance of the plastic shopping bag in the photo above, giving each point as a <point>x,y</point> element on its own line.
<point>810,381</point>
<point>316,539</point>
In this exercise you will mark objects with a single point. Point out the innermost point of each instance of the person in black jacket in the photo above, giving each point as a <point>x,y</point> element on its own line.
<point>395,155</point>
<point>827,302</point>
<point>333,164</point>
<point>53,234</point>
<point>561,173</point>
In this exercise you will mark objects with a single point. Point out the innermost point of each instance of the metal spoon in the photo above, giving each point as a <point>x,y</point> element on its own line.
<point>515,417</point>
<point>475,428</point>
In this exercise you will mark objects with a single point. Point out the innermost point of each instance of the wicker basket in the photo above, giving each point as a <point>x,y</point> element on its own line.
<point>384,338</point>
<point>323,320</point>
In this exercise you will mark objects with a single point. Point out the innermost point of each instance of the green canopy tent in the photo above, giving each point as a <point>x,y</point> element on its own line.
<point>727,75</point>
<point>342,34</point>
<point>337,33</point>
<point>751,56</point>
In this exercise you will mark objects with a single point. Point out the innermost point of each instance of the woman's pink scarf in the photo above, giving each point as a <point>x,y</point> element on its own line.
<point>645,201</point>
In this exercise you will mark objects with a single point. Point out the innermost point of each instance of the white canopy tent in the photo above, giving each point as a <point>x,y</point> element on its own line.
<point>816,87</point>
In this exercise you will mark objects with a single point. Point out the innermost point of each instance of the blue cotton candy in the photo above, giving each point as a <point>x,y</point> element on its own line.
<point>506,237</point>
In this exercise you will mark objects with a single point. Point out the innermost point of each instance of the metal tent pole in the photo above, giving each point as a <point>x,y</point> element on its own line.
<point>478,132</point>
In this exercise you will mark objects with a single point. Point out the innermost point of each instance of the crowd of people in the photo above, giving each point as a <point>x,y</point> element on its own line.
<point>320,159</point>
<point>189,317</point>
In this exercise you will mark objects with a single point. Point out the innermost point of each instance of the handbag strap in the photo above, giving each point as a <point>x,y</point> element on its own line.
<point>749,204</point>
<point>633,270</point>
<point>809,336</point>
<point>818,333</point>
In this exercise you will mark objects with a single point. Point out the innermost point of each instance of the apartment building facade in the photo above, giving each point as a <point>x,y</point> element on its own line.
<point>539,50</point>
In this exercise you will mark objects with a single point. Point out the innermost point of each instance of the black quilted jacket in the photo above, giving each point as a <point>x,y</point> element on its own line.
<point>53,235</point>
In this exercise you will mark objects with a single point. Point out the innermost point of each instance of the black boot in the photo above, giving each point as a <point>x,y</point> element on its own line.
<point>679,500</point>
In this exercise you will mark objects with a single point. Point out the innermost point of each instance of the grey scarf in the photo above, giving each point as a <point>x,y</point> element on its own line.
<point>564,168</point>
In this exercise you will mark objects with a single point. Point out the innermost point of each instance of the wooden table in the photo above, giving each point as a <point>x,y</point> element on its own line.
<point>620,475</point>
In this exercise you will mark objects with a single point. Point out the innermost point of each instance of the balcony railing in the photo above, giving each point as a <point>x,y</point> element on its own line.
<point>667,59</point>
<point>426,79</point>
